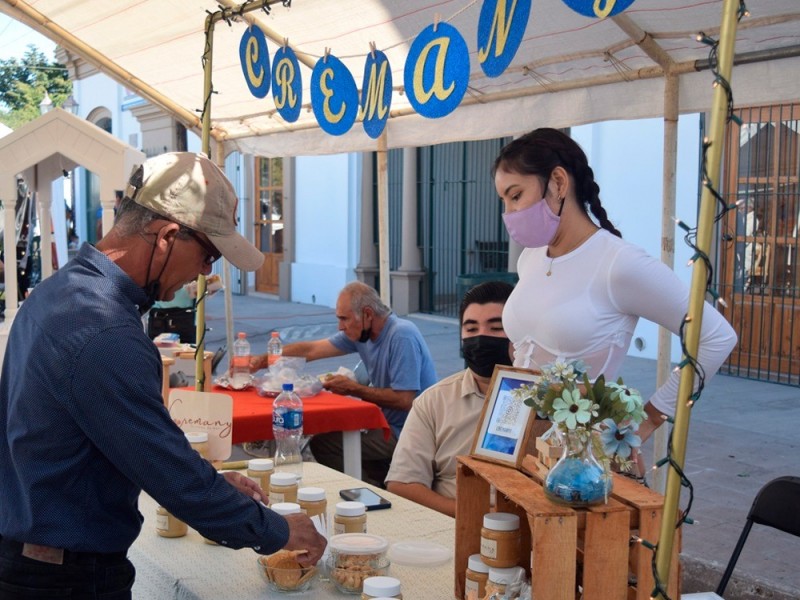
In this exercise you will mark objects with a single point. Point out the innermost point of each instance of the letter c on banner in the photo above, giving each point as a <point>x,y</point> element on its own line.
<point>436,72</point>
<point>254,58</point>
<point>287,85</point>
<point>334,97</point>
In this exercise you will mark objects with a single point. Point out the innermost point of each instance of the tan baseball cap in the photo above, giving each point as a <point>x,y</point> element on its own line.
<point>191,190</point>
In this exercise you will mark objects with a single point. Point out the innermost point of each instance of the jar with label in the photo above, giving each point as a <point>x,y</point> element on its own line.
<point>199,441</point>
<point>380,587</point>
<point>500,539</point>
<point>500,579</point>
<point>259,470</point>
<point>312,500</point>
<point>476,576</point>
<point>286,508</point>
<point>282,488</point>
<point>350,517</point>
<point>168,525</point>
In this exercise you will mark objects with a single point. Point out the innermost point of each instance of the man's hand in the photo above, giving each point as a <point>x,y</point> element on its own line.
<point>258,362</point>
<point>340,384</point>
<point>245,485</point>
<point>304,536</point>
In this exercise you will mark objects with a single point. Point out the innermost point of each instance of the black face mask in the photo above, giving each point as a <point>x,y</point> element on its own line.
<point>483,352</point>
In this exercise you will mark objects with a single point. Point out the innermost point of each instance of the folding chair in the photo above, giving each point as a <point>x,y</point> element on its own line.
<point>776,505</point>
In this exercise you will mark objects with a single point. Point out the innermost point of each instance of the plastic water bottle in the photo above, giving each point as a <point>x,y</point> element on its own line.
<point>274,348</point>
<point>287,427</point>
<point>240,371</point>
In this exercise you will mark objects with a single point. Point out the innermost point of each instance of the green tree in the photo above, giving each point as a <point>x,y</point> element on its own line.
<point>23,83</point>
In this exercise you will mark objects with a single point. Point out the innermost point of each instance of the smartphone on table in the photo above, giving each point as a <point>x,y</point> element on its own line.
<point>366,496</point>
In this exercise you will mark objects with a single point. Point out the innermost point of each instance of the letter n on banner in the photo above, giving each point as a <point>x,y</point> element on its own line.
<point>436,72</point>
<point>501,27</point>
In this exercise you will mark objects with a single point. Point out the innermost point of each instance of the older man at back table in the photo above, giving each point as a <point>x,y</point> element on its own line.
<point>398,362</point>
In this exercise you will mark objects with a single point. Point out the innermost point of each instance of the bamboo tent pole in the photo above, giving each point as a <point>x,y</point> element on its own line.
<point>718,118</point>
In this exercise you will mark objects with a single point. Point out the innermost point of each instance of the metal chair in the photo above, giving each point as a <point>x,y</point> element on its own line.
<point>775,505</point>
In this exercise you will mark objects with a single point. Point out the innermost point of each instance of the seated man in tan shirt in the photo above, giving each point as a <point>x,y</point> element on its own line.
<point>443,418</point>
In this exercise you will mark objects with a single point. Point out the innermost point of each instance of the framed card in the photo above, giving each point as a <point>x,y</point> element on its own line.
<point>505,422</point>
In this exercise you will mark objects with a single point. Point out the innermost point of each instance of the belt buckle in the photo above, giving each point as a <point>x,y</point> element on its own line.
<point>46,554</point>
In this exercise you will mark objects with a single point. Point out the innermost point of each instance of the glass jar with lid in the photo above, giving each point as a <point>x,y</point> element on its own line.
<point>282,487</point>
<point>500,539</point>
<point>350,517</point>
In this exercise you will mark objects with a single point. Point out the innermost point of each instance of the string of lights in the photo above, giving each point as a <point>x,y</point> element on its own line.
<point>689,361</point>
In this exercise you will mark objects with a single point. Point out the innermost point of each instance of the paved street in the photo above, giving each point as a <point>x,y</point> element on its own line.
<point>743,433</point>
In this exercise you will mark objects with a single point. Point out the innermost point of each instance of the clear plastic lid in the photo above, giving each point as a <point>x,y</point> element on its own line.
<point>283,478</point>
<point>501,521</point>
<point>476,564</point>
<point>358,543</point>
<point>381,586</point>
<point>286,508</point>
<point>197,437</point>
<point>311,494</point>
<point>350,509</point>
<point>419,553</point>
<point>260,464</point>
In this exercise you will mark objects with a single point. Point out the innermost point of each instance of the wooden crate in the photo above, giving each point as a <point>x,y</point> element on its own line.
<point>564,548</point>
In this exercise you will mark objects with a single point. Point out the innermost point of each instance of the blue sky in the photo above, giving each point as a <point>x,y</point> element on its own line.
<point>15,37</point>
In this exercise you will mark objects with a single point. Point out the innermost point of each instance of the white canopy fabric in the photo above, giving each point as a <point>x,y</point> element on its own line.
<point>569,69</point>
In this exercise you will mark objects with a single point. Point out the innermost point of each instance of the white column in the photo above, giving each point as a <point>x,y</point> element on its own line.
<point>406,280</point>
<point>289,228</point>
<point>367,268</point>
<point>44,197</point>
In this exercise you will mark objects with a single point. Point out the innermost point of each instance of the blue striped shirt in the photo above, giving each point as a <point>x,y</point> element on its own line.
<point>85,427</point>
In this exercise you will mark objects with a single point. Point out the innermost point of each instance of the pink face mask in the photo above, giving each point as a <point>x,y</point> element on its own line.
<point>532,227</point>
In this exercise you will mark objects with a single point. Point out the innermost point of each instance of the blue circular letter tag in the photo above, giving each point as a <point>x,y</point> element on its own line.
<point>598,8</point>
<point>501,27</point>
<point>376,93</point>
<point>334,97</point>
<point>254,57</point>
<point>287,85</point>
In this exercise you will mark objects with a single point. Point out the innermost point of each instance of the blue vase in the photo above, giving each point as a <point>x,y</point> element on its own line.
<point>578,478</point>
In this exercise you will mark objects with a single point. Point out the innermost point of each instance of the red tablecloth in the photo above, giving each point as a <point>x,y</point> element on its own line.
<point>322,413</point>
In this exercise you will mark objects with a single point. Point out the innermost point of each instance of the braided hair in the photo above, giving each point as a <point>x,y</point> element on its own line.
<point>541,151</point>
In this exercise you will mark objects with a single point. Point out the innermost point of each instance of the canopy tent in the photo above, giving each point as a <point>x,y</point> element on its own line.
<point>569,69</point>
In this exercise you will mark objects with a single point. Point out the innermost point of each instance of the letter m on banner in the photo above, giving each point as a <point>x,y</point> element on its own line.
<point>501,27</point>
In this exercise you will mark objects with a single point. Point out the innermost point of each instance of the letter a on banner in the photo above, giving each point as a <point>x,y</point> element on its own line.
<point>436,73</point>
<point>254,57</point>
<point>376,93</point>
<point>334,97</point>
<point>500,30</point>
<point>598,8</point>
<point>287,84</point>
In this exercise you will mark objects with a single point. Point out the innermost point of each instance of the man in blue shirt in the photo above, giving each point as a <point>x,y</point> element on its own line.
<point>84,424</point>
<point>398,362</point>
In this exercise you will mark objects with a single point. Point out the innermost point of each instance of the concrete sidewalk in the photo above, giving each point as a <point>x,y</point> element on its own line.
<point>742,434</point>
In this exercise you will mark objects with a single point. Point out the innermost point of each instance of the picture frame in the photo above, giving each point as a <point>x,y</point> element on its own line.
<point>502,414</point>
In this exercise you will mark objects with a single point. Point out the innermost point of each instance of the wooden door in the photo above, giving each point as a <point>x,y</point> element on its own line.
<point>759,259</point>
<point>269,221</point>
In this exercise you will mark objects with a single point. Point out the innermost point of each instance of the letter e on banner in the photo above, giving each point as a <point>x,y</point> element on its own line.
<point>501,27</point>
<point>376,93</point>
<point>254,57</point>
<point>436,73</point>
<point>598,8</point>
<point>334,97</point>
<point>287,84</point>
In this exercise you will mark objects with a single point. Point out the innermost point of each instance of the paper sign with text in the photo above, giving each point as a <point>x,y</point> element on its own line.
<point>204,411</point>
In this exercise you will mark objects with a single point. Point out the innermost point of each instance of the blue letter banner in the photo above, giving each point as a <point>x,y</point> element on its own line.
<point>254,57</point>
<point>287,85</point>
<point>376,93</point>
<point>500,30</point>
<point>334,97</point>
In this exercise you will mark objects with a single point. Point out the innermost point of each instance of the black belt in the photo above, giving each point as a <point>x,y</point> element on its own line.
<point>59,556</point>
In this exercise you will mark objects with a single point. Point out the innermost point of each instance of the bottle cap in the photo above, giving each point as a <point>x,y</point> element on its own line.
<point>275,334</point>
<point>283,478</point>
<point>241,335</point>
<point>501,521</point>
<point>350,509</point>
<point>288,387</point>
<point>311,494</point>
<point>196,437</point>
<point>476,564</point>
<point>381,586</point>
<point>286,508</point>
<point>260,464</point>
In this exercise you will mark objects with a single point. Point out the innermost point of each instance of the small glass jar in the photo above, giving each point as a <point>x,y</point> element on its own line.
<point>168,525</point>
<point>286,508</point>
<point>380,587</point>
<point>499,579</point>
<point>350,517</point>
<point>500,540</point>
<point>282,488</point>
<point>476,576</point>
<point>199,441</point>
<point>259,470</point>
<point>312,500</point>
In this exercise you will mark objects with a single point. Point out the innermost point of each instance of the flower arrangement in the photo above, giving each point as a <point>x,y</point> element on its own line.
<point>579,408</point>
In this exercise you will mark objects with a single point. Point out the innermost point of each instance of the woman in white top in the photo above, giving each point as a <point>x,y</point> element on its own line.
<point>582,289</point>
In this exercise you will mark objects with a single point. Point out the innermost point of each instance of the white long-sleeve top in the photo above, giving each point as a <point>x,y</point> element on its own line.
<point>588,307</point>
